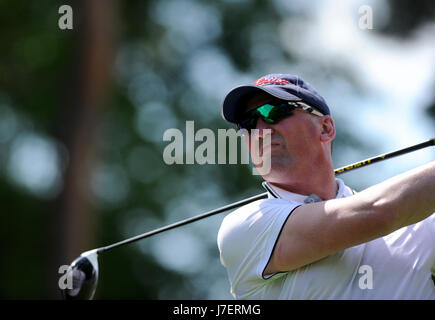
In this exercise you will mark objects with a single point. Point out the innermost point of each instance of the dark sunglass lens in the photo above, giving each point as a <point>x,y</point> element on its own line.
<point>250,119</point>
<point>279,112</point>
<point>274,113</point>
<point>265,110</point>
<point>249,123</point>
<point>270,113</point>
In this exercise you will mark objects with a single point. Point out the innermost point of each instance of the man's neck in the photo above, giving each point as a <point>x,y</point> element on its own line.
<point>323,185</point>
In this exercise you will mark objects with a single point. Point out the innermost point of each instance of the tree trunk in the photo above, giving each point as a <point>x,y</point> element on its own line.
<point>73,224</point>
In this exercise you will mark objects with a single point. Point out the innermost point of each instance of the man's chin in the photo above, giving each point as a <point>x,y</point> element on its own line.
<point>267,172</point>
<point>276,169</point>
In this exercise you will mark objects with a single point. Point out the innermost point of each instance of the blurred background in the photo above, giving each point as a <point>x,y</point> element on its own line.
<point>83,112</point>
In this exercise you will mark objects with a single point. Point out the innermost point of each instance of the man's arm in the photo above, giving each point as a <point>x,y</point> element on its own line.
<point>317,230</point>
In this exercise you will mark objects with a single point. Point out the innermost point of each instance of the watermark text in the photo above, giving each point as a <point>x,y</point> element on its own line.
<point>200,147</point>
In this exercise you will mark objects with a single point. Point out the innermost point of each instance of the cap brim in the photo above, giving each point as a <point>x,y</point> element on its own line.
<point>232,101</point>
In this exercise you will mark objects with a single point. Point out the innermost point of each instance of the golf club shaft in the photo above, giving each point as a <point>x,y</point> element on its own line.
<point>428,143</point>
<point>382,157</point>
<point>183,222</point>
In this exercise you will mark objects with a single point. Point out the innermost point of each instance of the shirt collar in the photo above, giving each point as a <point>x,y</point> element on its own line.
<point>276,192</point>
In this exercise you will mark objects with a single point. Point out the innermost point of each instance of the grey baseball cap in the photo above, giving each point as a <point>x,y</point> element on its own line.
<point>283,86</point>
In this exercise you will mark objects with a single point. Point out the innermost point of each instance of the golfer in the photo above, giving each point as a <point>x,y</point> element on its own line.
<point>314,237</point>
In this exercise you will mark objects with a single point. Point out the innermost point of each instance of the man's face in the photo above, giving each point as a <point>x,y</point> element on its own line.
<point>293,139</point>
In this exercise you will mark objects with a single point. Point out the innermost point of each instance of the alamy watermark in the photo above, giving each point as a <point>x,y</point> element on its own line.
<point>366,280</point>
<point>184,149</point>
<point>366,17</point>
<point>66,280</point>
<point>66,19</point>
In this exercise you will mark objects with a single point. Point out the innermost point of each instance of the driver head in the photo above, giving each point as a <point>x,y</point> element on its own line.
<point>84,273</point>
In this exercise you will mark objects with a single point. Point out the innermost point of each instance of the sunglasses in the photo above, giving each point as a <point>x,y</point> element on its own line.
<point>273,112</point>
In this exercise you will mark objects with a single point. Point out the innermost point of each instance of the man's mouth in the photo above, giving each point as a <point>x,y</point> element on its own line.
<point>268,146</point>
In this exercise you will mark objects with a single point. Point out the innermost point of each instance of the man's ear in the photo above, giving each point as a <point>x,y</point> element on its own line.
<point>328,129</point>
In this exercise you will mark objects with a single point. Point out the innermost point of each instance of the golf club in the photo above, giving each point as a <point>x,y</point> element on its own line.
<point>84,269</point>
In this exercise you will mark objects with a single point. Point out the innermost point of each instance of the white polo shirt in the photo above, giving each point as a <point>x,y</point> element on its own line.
<point>397,266</point>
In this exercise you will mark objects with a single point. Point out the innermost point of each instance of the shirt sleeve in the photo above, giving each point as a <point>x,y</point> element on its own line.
<point>246,241</point>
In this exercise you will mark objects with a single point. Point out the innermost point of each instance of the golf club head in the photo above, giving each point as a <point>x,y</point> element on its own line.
<point>84,274</point>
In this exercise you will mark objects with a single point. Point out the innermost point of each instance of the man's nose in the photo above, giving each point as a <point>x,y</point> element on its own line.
<point>261,125</point>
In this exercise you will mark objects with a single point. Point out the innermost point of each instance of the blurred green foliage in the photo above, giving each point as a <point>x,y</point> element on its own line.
<point>155,84</point>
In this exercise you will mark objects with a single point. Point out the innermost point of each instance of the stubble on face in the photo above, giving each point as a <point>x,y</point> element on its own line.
<point>276,151</point>
<point>290,139</point>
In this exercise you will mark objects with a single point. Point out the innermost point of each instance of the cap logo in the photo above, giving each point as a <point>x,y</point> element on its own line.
<point>270,80</point>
